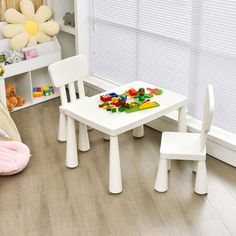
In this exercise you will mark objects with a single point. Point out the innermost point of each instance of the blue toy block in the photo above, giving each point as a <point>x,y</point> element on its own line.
<point>113,95</point>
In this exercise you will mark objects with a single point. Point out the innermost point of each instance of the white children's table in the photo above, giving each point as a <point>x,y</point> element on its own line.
<point>87,111</point>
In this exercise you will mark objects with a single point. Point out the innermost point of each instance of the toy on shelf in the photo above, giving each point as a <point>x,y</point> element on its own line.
<point>13,100</point>
<point>2,57</point>
<point>37,92</point>
<point>69,19</point>
<point>2,70</point>
<point>47,90</point>
<point>128,101</point>
<point>14,56</point>
<point>31,53</point>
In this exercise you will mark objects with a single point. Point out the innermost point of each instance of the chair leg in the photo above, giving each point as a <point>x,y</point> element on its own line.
<point>83,138</point>
<point>62,128</point>
<point>201,178</point>
<point>161,183</point>
<point>71,147</point>
<point>138,132</point>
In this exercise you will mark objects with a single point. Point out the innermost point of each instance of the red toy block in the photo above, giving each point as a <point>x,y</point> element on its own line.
<point>117,104</point>
<point>132,92</point>
<point>105,98</point>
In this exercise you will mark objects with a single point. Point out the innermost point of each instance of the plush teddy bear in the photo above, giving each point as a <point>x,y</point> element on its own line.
<point>13,100</point>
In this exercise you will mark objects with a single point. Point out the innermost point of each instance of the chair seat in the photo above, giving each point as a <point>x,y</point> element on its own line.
<point>181,146</point>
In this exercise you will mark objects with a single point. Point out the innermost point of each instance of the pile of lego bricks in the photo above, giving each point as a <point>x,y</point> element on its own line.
<point>131,100</point>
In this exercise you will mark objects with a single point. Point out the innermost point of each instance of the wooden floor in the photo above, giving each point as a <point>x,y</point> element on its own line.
<point>50,199</point>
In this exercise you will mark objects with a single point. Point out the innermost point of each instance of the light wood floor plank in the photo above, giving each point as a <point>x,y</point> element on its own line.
<point>47,198</point>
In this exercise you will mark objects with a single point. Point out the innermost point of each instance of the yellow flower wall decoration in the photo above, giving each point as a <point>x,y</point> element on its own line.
<point>29,28</point>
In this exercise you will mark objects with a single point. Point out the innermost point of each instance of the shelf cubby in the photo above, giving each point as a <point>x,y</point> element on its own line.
<point>30,73</point>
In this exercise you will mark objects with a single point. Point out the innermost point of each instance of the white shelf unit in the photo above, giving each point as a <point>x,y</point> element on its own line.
<point>59,10</point>
<point>30,73</point>
<point>68,36</point>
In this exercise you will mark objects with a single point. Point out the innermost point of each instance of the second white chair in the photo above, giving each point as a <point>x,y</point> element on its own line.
<point>187,146</point>
<point>70,72</point>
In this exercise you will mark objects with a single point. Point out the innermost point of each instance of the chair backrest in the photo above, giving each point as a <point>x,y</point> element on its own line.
<point>67,72</point>
<point>209,105</point>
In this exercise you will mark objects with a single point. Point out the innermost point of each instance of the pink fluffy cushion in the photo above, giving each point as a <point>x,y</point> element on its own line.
<point>14,156</point>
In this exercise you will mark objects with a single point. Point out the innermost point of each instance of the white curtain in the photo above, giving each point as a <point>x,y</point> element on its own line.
<point>182,45</point>
<point>213,59</point>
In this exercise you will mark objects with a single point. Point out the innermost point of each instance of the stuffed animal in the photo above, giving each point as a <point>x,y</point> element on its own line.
<point>29,28</point>
<point>14,156</point>
<point>13,100</point>
<point>14,56</point>
<point>69,19</point>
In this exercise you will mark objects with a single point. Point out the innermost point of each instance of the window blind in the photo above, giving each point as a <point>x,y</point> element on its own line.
<point>164,38</point>
<point>115,39</point>
<point>132,41</point>
<point>214,60</point>
<point>182,45</point>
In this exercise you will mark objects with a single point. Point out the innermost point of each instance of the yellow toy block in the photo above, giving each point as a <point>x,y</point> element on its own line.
<point>147,105</point>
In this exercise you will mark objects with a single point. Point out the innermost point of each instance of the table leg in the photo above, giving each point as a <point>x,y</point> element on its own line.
<point>115,182</point>
<point>138,132</point>
<point>182,126</point>
<point>71,147</point>
<point>83,138</point>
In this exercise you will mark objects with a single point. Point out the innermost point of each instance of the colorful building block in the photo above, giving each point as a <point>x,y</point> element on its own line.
<point>47,90</point>
<point>126,101</point>
<point>155,91</point>
<point>113,95</point>
<point>37,92</point>
<point>105,98</point>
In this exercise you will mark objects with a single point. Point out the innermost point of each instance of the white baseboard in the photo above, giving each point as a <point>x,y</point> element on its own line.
<point>220,143</point>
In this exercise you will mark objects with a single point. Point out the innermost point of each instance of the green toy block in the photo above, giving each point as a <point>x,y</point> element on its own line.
<point>113,109</point>
<point>142,90</point>
<point>121,109</point>
<point>141,98</point>
<point>105,104</point>
<point>148,95</point>
<point>136,108</point>
<point>132,109</point>
<point>108,109</point>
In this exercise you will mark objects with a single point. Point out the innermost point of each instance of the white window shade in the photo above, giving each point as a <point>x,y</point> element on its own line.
<point>122,12</point>
<point>164,63</point>
<point>115,39</point>
<point>115,53</point>
<point>214,60</point>
<point>182,45</point>
<point>170,19</point>
<point>142,40</point>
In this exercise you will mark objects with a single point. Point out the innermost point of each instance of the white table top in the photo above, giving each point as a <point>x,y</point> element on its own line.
<point>88,112</point>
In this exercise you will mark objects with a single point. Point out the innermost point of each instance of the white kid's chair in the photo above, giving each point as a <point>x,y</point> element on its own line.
<point>70,72</point>
<point>187,146</point>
